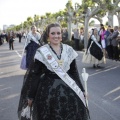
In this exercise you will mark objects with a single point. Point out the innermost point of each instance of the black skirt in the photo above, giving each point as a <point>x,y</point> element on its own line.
<point>57,102</point>
<point>53,98</point>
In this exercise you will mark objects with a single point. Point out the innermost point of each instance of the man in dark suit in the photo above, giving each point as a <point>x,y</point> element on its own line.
<point>115,43</point>
<point>76,39</point>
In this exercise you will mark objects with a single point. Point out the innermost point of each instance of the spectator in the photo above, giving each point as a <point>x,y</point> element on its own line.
<point>82,35</point>
<point>19,36</point>
<point>109,47</point>
<point>102,40</point>
<point>65,35</point>
<point>1,42</point>
<point>11,40</point>
<point>107,33</point>
<point>115,43</point>
<point>76,38</point>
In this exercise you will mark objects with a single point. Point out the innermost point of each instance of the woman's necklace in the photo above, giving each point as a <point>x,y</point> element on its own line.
<point>61,48</point>
<point>58,56</point>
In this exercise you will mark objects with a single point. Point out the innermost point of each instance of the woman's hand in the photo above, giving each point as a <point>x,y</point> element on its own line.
<point>85,95</point>
<point>30,102</point>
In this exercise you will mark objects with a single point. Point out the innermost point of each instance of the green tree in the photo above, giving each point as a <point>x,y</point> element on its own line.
<point>113,8</point>
<point>91,23</point>
<point>25,24</point>
<point>30,21</point>
<point>36,20</point>
<point>89,9</point>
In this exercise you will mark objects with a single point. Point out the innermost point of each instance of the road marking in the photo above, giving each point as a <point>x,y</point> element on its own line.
<point>117,98</point>
<point>5,88</point>
<point>104,71</point>
<point>10,96</point>
<point>112,91</point>
<point>18,53</point>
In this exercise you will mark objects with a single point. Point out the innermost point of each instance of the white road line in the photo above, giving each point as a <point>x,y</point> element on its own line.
<point>112,91</point>
<point>104,71</point>
<point>18,53</point>
<point>117,98</point>
<point>5,88</point>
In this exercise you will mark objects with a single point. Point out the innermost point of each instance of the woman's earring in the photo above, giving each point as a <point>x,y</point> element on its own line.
<point>48,41</point>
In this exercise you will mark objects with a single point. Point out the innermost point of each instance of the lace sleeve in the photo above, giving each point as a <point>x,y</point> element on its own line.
<point>73,72</point>
<point>33,78</point>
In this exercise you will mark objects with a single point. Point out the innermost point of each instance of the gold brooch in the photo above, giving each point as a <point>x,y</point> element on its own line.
<point>60,62</point>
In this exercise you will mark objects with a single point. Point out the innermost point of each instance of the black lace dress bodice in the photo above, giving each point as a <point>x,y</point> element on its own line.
<point>52,98</point>
<point>30,52</point>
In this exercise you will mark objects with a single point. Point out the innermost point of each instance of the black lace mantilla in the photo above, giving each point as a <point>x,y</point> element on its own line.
<point>52,98</point>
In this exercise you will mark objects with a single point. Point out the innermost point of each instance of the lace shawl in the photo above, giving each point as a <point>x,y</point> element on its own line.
<point>68,55</point>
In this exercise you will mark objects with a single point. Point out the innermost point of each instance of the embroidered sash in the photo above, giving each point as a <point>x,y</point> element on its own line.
<point>34,39</point>
<point>61,73</point>
<point>29,36</point>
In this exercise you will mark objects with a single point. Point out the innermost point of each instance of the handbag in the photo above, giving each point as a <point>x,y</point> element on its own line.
<point>11,40</point>
<point>23,63</point>
<point>86,58</point>
<point>96,51</point>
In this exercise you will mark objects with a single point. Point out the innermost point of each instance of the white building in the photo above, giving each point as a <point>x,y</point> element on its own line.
<point>5,27</point>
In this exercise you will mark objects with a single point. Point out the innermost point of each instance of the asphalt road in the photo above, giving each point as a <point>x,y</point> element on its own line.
<point>103,85</point>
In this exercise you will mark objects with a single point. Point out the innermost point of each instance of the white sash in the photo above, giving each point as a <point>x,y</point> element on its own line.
<point>34,39</point>
<point>29,36</point>
<point>61,73</point>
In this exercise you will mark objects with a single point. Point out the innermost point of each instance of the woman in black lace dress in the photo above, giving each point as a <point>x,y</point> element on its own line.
<point>50,97</point>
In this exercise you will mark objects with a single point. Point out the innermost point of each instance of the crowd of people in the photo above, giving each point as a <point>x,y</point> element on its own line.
<point>3,36</point>
<point>107,39</point>
<point>10,36</point>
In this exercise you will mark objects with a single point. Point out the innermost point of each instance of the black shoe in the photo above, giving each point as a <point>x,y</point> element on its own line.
<point>94,66</point>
